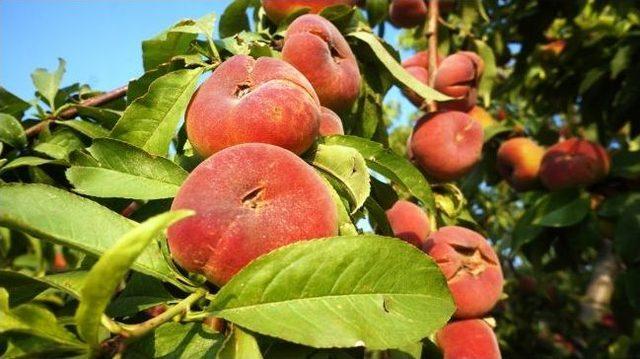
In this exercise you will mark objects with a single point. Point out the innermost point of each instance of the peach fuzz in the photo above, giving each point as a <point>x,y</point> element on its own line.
<point>407,13</point>
<point>519,163</point>
<point>574,163</point>
<point>468,339</point>
<point>458,76</point>
<point>246,100</point>
<point>278,10</point>
<point>330,123</point>
<point>249,199</point>
<point>315,47</point>
<point>482,116</point>
<point>471,266</point>
<point>446,145</point>
<point>409,222</point>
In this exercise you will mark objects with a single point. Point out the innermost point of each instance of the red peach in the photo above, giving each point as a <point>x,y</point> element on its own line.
<point>418,66</point>
<point>458,76</point>
<point>278,10</point>
<point>249,199</point>
<point>407,13</point>
<point>482,116</point>
<point>330,123</point>
<point>315,47</point>
<point>519,163</point>
<point>471,267</point>
<point>468,339</point>
<point>574,163</point>
<point>246,100</point>
<point>446,145</point>
<point>409,222</point>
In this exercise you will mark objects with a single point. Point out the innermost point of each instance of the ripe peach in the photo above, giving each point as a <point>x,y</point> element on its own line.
<point>249,199</point>
<point>519,163</point>
<point>446,145</point>
<point>458,76</point>
<point>407,13</point>
<point>574,163</point>
<point>468,339</point>
<point>482,116</point>
<point>315,47</point>
<point>278,10</point>
<point>418,66</point>
<point>471,267</point>
<point>330,123</point>
<point>409,222</point>
<point>246,100</point>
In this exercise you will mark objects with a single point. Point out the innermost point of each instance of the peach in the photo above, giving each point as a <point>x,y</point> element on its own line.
<point>471,266</point>
<point>246,100</point>
<point>315,47</point>
<point>278,10</point>
<point>418,66</point>
<point>409,222</point>
<point>468,339</point>
<point>249,199</point>
<point>519,163</point>
<point>446,145</point>
<point>330,123</point>
<point>482,116</point>
<point>574,163</point>
<point>458,76</point>
<point>407,13</point>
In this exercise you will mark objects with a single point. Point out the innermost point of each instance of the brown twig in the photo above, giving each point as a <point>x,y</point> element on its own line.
<point>73,111</point>
<point>432,40</point>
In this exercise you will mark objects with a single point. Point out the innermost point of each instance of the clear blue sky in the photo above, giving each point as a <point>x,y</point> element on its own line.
<point>99,39</point>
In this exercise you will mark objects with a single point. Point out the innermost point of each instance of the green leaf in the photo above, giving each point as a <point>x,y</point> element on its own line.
<point>48,83</point>
<point>377,11</point>
<point>240,345</point>
<point>379,293</point>
<point>126,171</point>
<point>347,166</point>
<point>561,209</point>
<point>140,86</point>
<point>59,216</point>
<point>378,218</point>
<point>204,26</point>
<point>105,276</point>
<point>141,292</point>
<point>626,164</point>
<point>619,204</point>
<point>22,287</point>
<point>345,225</point>
<point>86,128</point>
<point>37,321</point>
<point>11,131</point>
<point>150,121</point>
<point>490,71</point>
<point>106,117</point>
<point>29,346</point>
<point>627,233</point>
<point>390,165</point>
<point>24,161</point>
<point>12,104</point>
<point>401,76</point>
<point>494,130</point>
<point>164,47</point>
<point>234,19</point>
<point>175,340</point>
<point>60,144</point>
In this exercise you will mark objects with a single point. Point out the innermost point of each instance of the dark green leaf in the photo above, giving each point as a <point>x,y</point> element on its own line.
<point>175,340</point>
<point>377,11</point>
<point>12,104</point>
<point>62,142</point>
<point>125,171</point>
<point>234,19</point>
<point>378,293</point>
<point>104,116</point>
<point>150,121</point>
<point>561,209</point>
<point>86,128</point>
<point>618,204</point>
<point>626,164</point>
<point>627,234</point>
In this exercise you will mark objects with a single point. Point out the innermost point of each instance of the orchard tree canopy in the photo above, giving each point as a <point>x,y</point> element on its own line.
<point>256,194</point>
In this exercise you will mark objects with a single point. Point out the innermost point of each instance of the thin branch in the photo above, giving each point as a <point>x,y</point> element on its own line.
<point>432,39</point>
<point>73,110</point>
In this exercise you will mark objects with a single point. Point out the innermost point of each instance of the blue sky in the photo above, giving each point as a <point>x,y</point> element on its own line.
<point>99,39</point>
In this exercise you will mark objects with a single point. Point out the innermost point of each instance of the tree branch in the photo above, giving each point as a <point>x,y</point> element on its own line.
<point>73,111</point>
<point>432,40</point>
<point>600,289</point>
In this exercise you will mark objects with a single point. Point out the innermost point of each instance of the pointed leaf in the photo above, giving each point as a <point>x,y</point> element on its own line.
<point>48,83</point>
<point>11,131</point>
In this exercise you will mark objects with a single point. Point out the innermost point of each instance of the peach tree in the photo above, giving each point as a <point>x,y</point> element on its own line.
<point>251,195</point>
